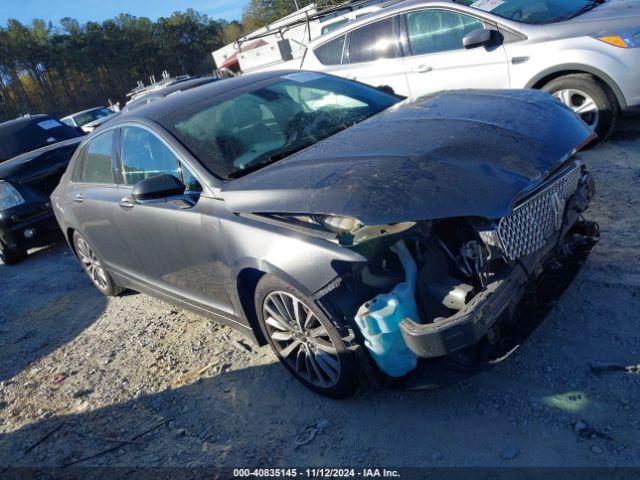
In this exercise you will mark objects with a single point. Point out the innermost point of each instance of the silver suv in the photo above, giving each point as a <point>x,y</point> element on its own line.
<point>586,53</point>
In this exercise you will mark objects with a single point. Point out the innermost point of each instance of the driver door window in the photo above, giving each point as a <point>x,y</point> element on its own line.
<point>437,59</point>
<point>144,155</point>
<point>433,31</point>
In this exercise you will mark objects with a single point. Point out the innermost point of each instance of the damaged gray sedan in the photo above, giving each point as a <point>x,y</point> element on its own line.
<point>346,227</point>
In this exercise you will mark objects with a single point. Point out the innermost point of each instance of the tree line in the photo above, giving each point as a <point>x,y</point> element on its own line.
<point>69,67</point>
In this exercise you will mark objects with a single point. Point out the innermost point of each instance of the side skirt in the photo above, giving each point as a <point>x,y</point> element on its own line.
<point>127,282</point>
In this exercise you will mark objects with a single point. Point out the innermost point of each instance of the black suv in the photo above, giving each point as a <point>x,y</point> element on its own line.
<point>34,153</point>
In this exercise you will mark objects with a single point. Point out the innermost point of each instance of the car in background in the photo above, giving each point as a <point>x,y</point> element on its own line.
<point>155,94</point>
<point>584,52</point>
<point>90,119</point>
<point>277,203</point>
<point>34,153</point>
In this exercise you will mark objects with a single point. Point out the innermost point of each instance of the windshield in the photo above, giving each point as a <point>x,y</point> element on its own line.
<point>260,126</point>
<point>534,11</point>
<point>91,116</point>
<point>24,135</point>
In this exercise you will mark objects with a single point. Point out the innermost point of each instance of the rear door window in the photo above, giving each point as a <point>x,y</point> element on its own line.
<point>374,41</point>
<point>79,164</point>
<point>331,52</point>
<point>97,166</point>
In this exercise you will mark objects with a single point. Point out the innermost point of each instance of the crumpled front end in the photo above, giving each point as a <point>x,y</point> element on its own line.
<point>510,254</point>
<point>471,272</point>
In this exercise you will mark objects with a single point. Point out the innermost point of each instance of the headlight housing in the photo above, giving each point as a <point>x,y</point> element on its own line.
<point>9,196</point>
<point>621,41</point>
<point>349,230</point>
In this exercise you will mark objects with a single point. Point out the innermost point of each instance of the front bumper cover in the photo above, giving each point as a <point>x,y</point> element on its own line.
<point>501,298</point>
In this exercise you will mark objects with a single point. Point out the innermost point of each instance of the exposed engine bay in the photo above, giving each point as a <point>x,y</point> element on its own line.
<point>470,270</point>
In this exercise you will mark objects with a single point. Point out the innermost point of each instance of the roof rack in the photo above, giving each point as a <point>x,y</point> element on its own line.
<point>154,84</point>
<point>348,6</point>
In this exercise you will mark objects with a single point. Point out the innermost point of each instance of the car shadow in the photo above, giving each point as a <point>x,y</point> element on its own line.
<point>63,303</point>
<point>243,417</point>
<point>628,129</point>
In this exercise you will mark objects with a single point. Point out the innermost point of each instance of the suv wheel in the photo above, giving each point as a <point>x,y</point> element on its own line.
<point>305,341</point>
<point>9,256</point>
<point>94,267</point>
<point>589,98</point>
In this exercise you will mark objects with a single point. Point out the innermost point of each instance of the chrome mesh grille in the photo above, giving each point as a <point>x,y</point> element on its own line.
<point>532,222</point>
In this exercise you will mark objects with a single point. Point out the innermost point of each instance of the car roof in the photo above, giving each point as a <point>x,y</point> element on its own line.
<point>386,7</point>
<point>395,6</point>
<point>173,103</point>
<point>176,87</point>
<point>25,119</point>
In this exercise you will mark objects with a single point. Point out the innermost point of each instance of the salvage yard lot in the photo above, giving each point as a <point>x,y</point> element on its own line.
<point>95,371</point>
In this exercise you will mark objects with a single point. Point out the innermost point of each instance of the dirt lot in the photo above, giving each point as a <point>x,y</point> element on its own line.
<point>92,370</point>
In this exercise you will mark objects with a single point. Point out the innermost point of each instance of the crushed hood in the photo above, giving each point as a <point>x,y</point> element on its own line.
<point>465,153</point>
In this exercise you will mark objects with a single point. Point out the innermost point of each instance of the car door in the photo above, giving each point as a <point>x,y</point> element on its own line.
<point>174,246</point>
<point>93,197</point>
<point>436,59</point>
<point>373,56</point>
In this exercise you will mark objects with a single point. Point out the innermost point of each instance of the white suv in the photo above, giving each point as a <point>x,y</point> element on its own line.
<point>584,52</point>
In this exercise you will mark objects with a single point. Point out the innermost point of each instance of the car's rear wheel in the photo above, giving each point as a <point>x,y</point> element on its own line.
<point>9,256</point>
<point>94,267</point>
<point>589,98</point>
<point>305,341</point>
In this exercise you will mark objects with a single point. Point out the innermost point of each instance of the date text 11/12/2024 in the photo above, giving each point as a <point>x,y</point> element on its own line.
<point>315,473</point>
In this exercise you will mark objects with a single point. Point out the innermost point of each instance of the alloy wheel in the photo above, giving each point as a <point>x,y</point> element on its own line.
<point>300,339</point>
<point>92,264</point>
<point>581,103</point>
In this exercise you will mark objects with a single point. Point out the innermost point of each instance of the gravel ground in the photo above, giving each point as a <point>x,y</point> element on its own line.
<point>93,370</point>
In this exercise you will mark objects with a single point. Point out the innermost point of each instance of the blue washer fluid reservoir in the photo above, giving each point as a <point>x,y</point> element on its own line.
<point>379,320</point>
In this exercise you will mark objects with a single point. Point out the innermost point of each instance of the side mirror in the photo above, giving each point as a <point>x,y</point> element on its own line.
<point>157,187</point>
<point>477,38</point>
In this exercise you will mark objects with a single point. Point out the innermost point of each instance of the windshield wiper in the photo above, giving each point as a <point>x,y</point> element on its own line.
<point>263,161</point>
<point>266,159</point>
<point>587,8</point>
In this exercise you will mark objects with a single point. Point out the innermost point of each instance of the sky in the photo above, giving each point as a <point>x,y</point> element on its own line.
<point>98,10</point>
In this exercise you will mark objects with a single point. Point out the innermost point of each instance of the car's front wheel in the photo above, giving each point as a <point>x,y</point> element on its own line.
<point>305,341</point>
<point>9,256</point>
<point>589,98</point>
<point>94,267</point>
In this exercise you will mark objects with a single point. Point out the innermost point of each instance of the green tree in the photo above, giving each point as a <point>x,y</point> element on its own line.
<point>231,31</point>
<point>76,66</point>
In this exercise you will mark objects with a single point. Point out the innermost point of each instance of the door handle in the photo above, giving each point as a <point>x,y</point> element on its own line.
<point>127,202</point>
<point>422,69</point>
<point>79,198</point>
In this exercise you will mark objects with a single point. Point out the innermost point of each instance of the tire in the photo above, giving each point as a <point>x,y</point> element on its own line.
<point>580,90</point>
<point>94,268</point>
<point>321,361</point>
<point>9,256</point>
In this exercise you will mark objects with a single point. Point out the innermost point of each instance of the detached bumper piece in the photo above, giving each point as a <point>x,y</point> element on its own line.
<point>500,299</point>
